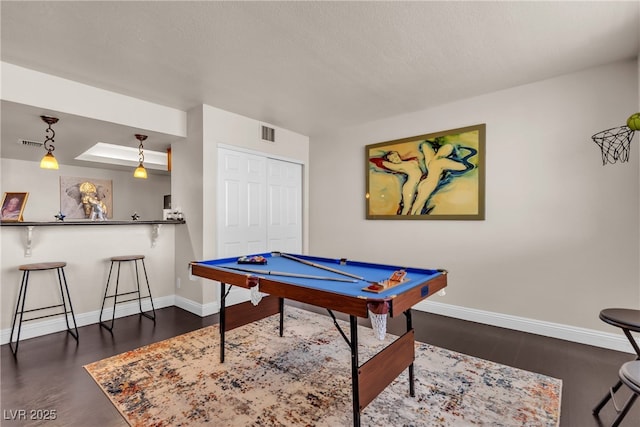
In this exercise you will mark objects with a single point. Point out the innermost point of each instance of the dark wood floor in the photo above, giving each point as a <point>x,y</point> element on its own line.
<point>48,373</point>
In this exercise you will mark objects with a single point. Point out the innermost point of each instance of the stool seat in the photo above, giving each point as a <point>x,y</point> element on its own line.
<point>630,375</point>
<point>42,266</point>
<point>622,318</point>
<point>127,257</point>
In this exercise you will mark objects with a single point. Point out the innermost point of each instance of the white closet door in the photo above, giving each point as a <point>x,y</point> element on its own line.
<point>284,211</point>
<point>241,203</point>
<point>259,208</point>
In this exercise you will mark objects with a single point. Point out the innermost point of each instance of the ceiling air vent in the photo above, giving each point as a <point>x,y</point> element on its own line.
<point>28,143</point>
<point>268,134</point>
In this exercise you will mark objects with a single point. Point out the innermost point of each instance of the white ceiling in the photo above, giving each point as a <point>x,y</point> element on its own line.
<point>305,66</point>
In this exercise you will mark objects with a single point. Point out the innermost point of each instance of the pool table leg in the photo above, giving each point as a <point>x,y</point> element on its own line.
<point>355,386</point>
<point>243,313</point>
<point>281,308</point>
<point>412,391</point>
<point>223,298</point>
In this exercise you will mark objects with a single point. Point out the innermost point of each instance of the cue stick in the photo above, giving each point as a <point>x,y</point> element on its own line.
<point>313,264</point>
<point>282,273</point>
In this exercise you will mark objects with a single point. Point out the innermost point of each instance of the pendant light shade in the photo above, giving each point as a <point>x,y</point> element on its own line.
<point>140,171</point>
<point>49,161</point>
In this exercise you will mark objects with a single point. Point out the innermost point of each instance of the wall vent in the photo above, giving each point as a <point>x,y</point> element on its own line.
<point>268,134</point>
<point>28,143</point>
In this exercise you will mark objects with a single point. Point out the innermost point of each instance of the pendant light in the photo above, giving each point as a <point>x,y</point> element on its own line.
<point>140,171</point>
<point>49,161</point>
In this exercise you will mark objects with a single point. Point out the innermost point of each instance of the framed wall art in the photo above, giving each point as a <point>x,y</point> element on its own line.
<point>431,177</point>
<point>12,206</point>
<point>86,198</point>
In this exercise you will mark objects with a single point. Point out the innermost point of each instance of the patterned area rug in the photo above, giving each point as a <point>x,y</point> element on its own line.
<point>304,379</point>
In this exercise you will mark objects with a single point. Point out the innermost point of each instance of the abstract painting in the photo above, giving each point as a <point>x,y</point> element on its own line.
<point>433,176</point>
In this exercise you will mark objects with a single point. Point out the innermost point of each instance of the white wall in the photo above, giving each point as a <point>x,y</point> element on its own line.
<point>209,127</point>
<point>187,194</point>
<point>85,248</point>
<point>560,239</point>
<point>560,242</point>
<point>192,184</point>
<point>30,87</point>
<point>144,196</point>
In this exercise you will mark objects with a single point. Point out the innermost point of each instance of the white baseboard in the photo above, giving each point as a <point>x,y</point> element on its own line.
<point>58,324</point>
<point>196,308</point>
<point>592,337</point>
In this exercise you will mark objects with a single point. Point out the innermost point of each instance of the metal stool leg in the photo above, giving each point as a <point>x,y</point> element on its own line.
<point>137,293</point>
<point>63,278</point>
<point>606,398</point>
<point>617,386</point>
<point>115,295</point>
<point>104,299</point>
<point>624,410</point>
<point>144,268</point>
<point>633,343</point>
<point>22,293</point>
<point>115,298</point>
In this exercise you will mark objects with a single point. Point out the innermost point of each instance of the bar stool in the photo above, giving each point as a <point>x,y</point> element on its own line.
<point>630,375</point>
<point>119,260</point>
<point>22,297</point>
<point>628,320</point>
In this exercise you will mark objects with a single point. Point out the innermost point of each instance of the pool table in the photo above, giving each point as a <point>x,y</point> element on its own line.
<point>358,289</point>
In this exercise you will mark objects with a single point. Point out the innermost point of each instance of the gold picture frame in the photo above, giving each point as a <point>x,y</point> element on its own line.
<point>434,176</point>
<point>13,204</point>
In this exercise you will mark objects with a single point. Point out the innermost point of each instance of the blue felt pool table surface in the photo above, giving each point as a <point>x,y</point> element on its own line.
<point>371,272</point>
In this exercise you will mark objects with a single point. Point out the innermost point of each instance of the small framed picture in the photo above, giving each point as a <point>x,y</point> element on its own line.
<point>12,206</point>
